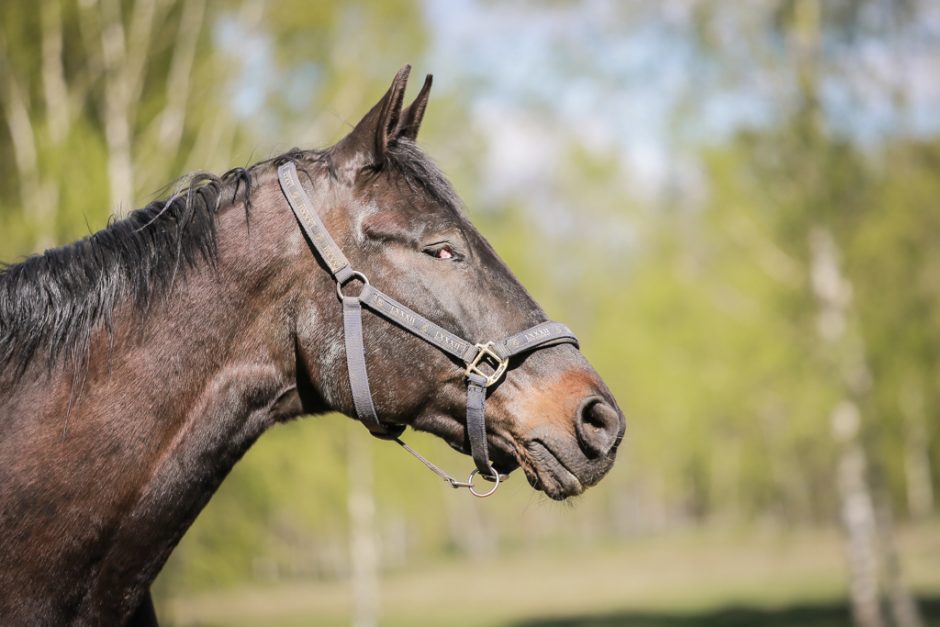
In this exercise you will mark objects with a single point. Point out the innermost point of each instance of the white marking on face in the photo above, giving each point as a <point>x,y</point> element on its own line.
<point>367,211</point>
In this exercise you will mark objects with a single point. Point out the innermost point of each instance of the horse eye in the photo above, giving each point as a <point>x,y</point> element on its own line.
<point>442,251</point>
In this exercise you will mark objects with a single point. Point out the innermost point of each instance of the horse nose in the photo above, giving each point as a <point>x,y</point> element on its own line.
<point>599,426</point>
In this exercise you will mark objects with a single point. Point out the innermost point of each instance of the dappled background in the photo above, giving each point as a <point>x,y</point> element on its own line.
<point>736,206</point>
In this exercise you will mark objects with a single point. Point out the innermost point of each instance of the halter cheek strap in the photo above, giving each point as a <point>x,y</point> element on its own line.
<point>485,364</point>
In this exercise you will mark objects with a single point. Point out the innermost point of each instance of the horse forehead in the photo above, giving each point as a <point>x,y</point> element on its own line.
<point>403,205</point>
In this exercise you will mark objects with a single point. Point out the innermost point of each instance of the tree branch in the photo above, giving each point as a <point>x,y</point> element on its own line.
<point>116,107</point>
<point>138,49</point>
<point>37,200</point>
<point>173,117</point>
<point>22,134</point>
<point>53,74</point>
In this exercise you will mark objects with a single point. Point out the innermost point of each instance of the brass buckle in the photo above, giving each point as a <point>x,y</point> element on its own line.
<point>487,351</point>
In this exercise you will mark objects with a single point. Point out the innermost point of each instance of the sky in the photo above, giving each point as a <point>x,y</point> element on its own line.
<point>616,76</point>
<point>630,81</point>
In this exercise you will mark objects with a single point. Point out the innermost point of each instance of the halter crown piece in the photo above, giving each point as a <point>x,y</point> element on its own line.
<point>486,363</point>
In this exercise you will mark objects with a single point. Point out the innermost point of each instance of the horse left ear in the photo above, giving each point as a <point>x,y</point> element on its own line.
<point>373,132</point>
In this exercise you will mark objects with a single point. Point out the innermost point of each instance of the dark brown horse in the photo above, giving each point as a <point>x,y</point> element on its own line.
<point>139,364</point>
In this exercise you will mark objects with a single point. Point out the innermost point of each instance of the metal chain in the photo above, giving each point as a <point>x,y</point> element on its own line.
<point>454,483</point>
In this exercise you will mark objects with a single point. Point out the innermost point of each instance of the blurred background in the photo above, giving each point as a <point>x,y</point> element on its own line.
<point>735,205</point>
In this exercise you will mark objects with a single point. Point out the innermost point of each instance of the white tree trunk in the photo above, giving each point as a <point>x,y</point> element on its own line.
<point>834,298</point>
<point>363,544</point>
<point>858,517</point>
<point>904,611</point>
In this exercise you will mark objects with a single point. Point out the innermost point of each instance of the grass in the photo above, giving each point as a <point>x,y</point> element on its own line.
<point>700,578</point>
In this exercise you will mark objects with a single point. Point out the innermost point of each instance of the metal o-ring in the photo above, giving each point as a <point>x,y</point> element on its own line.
<point>482,495</point>
<point>355,275</point>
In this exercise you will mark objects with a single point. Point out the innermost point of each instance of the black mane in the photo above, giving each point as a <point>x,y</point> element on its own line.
<point>54,302</point>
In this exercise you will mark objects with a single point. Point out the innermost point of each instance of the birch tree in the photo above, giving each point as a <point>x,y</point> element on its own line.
<point>81,76</point>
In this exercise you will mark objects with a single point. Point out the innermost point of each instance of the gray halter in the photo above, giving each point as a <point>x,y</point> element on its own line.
<point>485,363</point>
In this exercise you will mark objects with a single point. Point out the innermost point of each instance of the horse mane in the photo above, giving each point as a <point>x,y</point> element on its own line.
<point>55,301</point>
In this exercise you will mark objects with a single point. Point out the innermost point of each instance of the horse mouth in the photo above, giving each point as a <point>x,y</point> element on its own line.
<point>502,454</point>
<point>543,468</point>
<point>546,472</point>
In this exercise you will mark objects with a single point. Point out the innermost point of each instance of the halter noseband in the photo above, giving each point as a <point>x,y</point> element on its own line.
<point>485,363</point>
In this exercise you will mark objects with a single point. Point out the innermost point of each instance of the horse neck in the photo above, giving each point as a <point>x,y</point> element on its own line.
<point>221,326</point>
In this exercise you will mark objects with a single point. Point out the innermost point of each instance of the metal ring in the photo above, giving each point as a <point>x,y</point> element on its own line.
<point>355,275</point>
<point>482,495</point>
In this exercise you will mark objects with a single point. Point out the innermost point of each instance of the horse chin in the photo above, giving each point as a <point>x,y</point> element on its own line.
<point>556,464</point>
<point>547,462</point>
<point>547,472</point>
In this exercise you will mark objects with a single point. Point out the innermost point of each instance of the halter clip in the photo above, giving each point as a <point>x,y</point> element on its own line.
<point>488,353</point>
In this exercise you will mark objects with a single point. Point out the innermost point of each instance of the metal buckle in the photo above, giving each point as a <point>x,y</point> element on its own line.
<point>487,351</point>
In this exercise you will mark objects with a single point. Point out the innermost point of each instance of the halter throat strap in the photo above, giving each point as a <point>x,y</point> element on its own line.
<point>485,363</point>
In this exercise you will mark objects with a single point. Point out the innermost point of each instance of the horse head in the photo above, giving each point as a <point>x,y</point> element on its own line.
<point>399,223</point>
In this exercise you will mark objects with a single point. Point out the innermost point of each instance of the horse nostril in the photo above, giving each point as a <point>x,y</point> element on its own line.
<point>598,426</point>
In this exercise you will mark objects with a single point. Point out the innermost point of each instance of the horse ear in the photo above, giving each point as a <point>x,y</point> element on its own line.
<point>413,114</point>
<point>372,133</point>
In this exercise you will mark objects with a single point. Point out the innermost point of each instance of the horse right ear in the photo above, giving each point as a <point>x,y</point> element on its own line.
<point>413,114</point>
<point>371,135</point>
